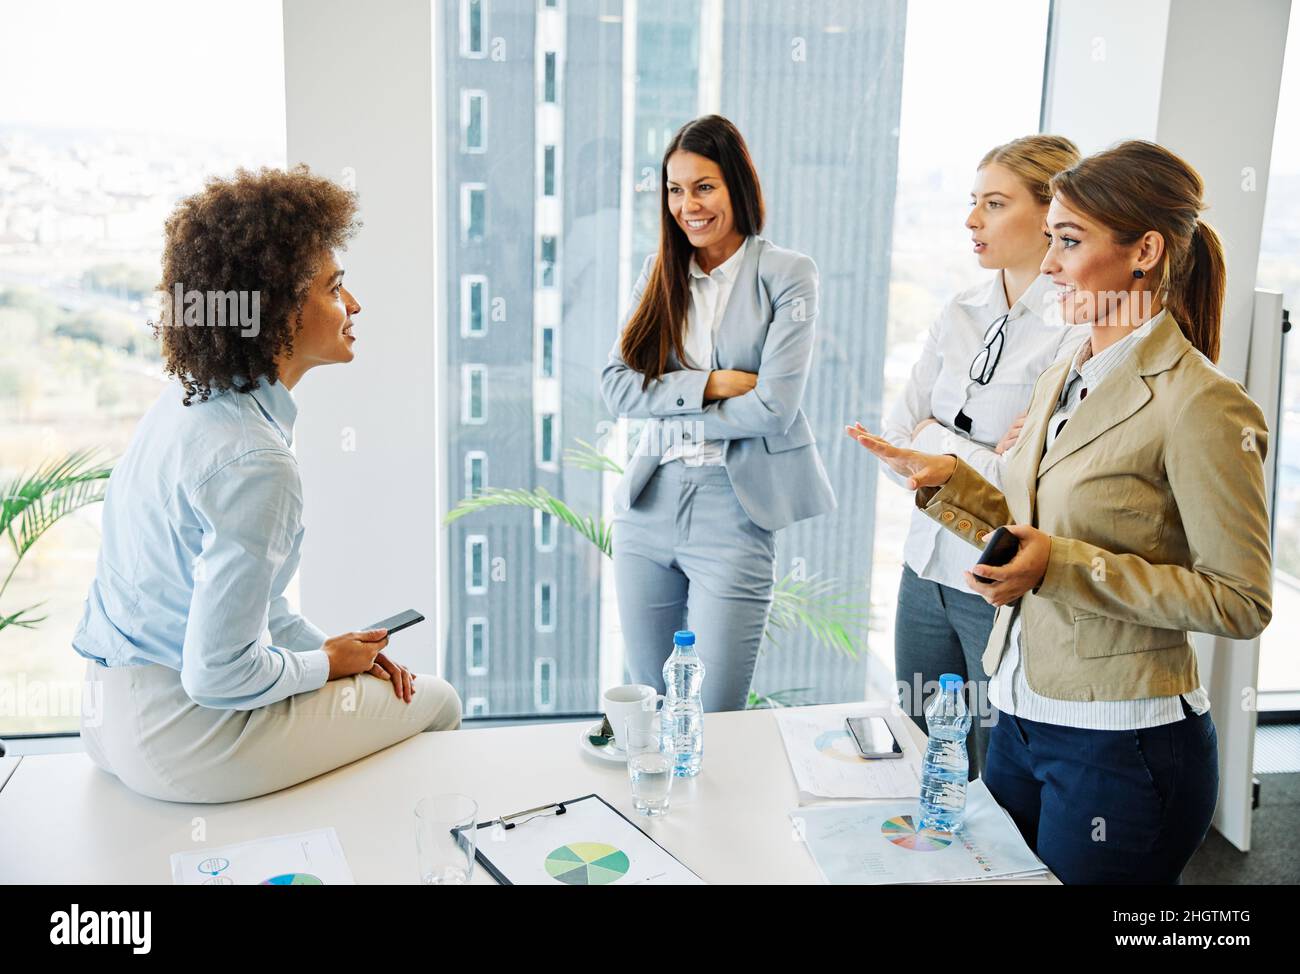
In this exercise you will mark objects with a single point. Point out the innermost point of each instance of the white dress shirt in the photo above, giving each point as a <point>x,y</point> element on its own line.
<point>709,295</point>
<point>1008,690</point>
<point>940,386</point>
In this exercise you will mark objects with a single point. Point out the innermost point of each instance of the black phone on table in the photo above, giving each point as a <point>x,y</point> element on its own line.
<point>873,737</point>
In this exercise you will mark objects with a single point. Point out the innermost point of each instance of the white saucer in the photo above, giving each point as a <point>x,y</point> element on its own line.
<point>607,753</point>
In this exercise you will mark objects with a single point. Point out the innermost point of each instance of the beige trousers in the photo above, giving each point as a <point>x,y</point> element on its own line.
<point>138,723</point>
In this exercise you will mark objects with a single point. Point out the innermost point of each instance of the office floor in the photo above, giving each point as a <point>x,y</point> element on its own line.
<point>1274,838</point>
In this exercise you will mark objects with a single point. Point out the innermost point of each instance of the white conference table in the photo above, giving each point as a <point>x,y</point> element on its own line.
<point>65,821</point>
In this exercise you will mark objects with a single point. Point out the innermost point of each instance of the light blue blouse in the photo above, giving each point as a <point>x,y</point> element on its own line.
<point>202,530</point>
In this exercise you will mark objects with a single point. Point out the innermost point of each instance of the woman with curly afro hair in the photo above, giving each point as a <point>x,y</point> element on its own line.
<point>204,685</point>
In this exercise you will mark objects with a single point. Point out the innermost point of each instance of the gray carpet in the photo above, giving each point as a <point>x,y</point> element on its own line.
<point>1274,839</point>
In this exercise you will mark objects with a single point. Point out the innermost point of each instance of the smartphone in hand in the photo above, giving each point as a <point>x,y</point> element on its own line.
<point>1001,548</point>
<point>397,623</point>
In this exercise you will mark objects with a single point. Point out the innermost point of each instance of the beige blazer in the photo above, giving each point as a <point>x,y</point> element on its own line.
<point>1154,497</point>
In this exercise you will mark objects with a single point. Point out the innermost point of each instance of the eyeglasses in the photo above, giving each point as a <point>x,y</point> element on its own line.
<point>986,359</point>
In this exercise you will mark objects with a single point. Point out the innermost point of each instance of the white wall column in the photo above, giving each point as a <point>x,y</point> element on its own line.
<point>360,107</point>
<point>1200,77</point>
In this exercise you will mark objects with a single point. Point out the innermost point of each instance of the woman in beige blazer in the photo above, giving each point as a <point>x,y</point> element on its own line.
<point>1136,492</point>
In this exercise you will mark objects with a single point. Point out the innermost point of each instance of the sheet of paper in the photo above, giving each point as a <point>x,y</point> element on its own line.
<point>877,842</point>
<point>303,859</point>
<point>589,845</point>
<point>826,762</point>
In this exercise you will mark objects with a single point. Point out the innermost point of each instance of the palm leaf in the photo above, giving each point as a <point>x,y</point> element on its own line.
<point>816,604</point>
<point>594,530</point>
<point>33,503</point>
<point>20,618</point>
<point>587,457</point>
<point>776,699</point>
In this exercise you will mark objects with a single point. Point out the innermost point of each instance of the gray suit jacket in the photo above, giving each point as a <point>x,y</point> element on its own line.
<point>769,450</point>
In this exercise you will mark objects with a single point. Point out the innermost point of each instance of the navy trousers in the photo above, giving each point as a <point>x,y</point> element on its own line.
<point>1101,806</point>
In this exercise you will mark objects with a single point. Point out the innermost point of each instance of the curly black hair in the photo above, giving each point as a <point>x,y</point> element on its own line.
<point>264,232</point>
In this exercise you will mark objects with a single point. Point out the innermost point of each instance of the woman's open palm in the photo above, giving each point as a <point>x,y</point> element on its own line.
<point>920,469</point>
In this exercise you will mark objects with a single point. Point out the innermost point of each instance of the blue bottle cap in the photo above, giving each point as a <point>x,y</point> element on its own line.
<point>951,681</point>
<point>684,638</point>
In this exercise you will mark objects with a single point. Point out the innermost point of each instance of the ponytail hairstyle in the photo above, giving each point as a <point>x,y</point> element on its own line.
<point>657,327</point>
<point>1035,159</point>
<point>1134,187</point>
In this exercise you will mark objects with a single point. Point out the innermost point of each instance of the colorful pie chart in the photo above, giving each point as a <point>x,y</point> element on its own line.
<point>902,832</point>
<point>587,864</point>
<point>292,879</point>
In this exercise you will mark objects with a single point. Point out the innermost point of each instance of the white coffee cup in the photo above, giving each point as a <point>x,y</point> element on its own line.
<point>631,700</point>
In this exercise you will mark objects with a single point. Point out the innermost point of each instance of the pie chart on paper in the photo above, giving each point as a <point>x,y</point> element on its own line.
<point>902,832</point>
<point>587,864</point>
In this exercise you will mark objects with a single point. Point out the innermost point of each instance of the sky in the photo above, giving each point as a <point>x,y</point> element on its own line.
<point>143,65</point>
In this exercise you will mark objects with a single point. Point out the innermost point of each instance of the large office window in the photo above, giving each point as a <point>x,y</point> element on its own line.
<point>868,186</point>
<point>1279,270</point>
<point>87,179</point>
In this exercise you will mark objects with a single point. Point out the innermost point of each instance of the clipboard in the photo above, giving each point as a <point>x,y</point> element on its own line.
<point>602,870</point>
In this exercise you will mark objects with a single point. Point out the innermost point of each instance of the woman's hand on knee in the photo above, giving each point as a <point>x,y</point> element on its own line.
<point>354,652</point>
<point>403,679</point>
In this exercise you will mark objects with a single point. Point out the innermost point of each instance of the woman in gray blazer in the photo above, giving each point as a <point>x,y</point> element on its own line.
<point>715,354</point>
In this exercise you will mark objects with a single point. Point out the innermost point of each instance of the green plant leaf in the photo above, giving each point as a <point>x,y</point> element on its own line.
<point>594,530</point>
<point>587,457</point>
<point>19,618</point>
<point>31,504</point>
<point>777,699</point>
<point>818,605</point>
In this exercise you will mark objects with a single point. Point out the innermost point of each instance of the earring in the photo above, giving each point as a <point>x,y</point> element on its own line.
<point>1139,273</point>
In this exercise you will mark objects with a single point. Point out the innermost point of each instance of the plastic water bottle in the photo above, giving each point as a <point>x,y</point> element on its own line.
<point>683,713</point>
<point>947,763</point>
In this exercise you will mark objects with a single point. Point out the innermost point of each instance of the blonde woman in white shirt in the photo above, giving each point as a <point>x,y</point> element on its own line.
<point>966,395</point>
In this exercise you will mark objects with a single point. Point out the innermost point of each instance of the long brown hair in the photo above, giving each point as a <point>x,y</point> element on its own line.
<point>1137,186</point>
<point>657,326</point>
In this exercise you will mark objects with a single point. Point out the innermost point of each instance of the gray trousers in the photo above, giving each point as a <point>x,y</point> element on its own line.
<point>687,556</point>
<point>940,630</point>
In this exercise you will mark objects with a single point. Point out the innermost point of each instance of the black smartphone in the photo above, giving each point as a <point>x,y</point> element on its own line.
<point>1001,548</point>
<point>873,737</point>
<point>397,623</point>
